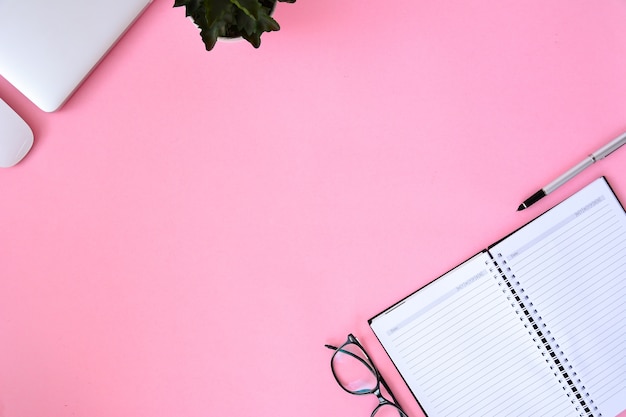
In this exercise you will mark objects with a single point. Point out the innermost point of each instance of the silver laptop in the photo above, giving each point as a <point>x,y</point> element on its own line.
<point>48,47</point>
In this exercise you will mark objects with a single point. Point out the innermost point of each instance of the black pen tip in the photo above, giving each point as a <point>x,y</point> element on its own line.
<point>532,200</point>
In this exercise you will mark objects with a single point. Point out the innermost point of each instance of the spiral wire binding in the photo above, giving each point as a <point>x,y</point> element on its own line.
<point>554,358</point>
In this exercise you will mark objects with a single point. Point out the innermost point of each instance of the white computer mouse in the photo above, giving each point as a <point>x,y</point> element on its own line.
<point>16,137</point>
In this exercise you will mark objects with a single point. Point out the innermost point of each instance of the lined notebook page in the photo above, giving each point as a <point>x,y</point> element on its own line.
<point>571,264</point>
<point>463,350</point>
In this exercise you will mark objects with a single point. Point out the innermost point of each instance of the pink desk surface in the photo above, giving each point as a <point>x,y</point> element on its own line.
<point>192,227</point>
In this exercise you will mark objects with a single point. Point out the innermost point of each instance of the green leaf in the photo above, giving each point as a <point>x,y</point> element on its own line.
<point>252,8</point>
<point>216,18</point>
<point>218,11</point>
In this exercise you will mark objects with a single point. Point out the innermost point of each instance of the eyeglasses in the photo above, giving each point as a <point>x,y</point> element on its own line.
<point>355,373</point>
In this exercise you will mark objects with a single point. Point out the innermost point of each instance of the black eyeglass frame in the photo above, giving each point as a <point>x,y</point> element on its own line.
<point>369,364</point>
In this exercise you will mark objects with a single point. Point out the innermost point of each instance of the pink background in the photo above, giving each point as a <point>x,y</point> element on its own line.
<point>192,227</point>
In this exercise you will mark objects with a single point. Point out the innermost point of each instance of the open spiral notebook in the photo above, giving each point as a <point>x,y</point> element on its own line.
<point>534,325</point>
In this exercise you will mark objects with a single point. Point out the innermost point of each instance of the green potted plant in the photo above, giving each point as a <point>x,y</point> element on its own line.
<point>248,19</point>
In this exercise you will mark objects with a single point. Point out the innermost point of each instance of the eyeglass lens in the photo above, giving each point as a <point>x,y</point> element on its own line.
<point>356,373</point>
<point>353,371</point>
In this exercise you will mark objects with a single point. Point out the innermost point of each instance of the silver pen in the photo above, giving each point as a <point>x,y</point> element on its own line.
<point>601,153</point>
